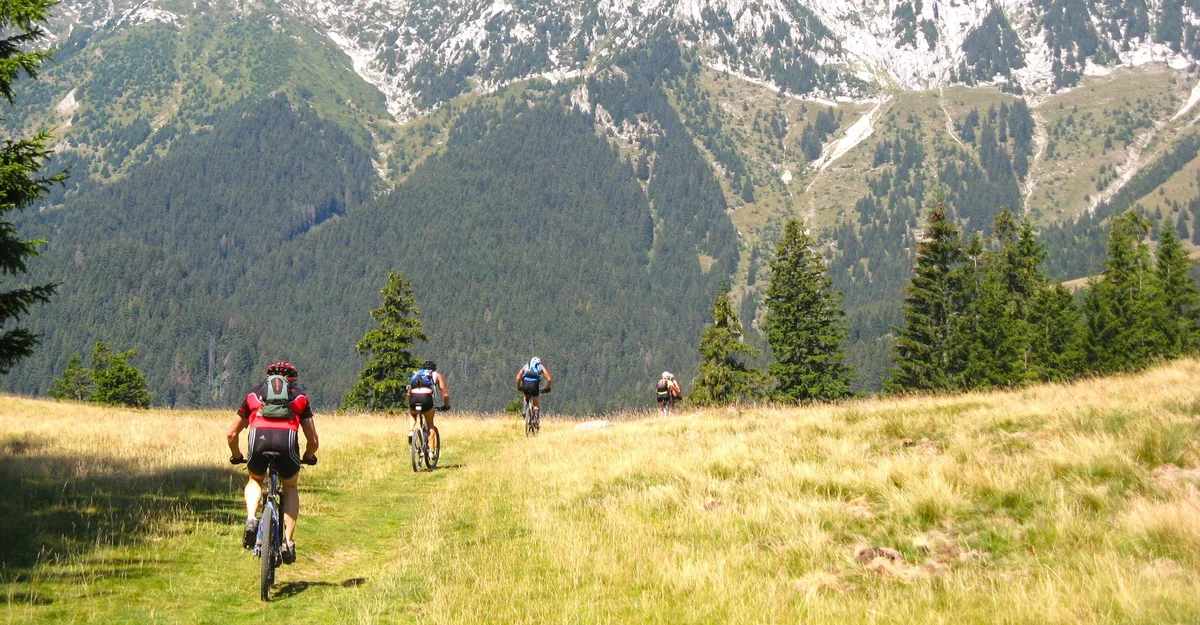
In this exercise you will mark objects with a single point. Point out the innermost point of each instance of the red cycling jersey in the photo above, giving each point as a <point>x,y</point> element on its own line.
<point>253,401</point>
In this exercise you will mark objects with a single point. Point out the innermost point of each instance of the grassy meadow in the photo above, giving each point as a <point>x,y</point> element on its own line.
<point>1055,504</point>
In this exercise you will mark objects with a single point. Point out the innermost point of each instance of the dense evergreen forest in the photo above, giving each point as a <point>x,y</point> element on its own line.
<point>530,234</point>
<point>583,222</point>
<point>151,261</point>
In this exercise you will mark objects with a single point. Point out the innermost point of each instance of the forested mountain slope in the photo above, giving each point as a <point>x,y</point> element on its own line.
<point>231,161</point>
<point>529,235</point>
<point>150,261</point>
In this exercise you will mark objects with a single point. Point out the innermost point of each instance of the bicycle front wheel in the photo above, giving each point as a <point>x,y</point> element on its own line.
<point>267,553</point>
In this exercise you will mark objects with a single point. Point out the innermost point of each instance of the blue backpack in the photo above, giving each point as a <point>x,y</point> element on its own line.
<point>533,372</point>
<point>423,378</point>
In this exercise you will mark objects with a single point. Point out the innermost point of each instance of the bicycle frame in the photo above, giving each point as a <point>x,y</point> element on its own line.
<point>271,501</point>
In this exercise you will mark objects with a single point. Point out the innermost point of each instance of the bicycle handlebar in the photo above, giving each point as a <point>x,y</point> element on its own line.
<point>444,408</point>
<point>243,460</point>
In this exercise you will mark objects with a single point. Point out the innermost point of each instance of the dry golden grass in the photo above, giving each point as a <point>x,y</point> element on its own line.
<point>1055,504</point>
<point>1033,506</point>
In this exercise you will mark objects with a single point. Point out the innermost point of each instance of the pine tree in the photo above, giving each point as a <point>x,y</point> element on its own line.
<point>1180,301</point>
<point>724,375</point>
<point>387,349</point>
<point>1056,336</point>
<point>1121,307</point>
<point>921,354</point>
<point>805,323</point>
<point>118,383</point>
<point>20,185</point>
<point>75,383</point>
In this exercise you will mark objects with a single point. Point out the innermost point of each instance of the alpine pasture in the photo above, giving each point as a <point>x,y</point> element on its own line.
<point>1054,504</point>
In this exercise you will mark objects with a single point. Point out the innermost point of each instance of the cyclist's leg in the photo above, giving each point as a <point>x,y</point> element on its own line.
<point>253,492</point>
<point>432,432</point>
<point>289,500</point>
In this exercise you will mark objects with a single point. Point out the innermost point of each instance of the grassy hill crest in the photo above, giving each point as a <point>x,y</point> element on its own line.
<point>1051,504</point>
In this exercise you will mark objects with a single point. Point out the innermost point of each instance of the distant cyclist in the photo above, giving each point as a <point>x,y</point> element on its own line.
<point>529,381</point>
<point>667,393</point>
<point>274,411</point>
<point>420,393</point>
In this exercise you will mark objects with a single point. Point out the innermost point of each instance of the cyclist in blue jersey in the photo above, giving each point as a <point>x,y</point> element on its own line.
<point>421,386</point>
<point>529,380</point>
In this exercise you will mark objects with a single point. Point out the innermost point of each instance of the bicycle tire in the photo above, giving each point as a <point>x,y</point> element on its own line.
<point>414,450</point>
<point>433,451</point>
<point>267,553</point>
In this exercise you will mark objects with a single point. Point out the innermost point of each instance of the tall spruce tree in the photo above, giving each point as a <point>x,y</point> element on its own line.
<point>1122,308</point>
<point>117,383</point>
<point>388,350</point>
<point>805,323</point>
<point>1056,336</point>
<point>995,339</point>
<point>20,185</point>
<point>725,377</point>
<point>1179,299</point>
<point>921,355</point>
<point>75,383</point>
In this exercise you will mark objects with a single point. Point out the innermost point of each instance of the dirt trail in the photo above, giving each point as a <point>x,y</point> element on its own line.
<point>362,510</point>
<point>950,130</point>
<point>1041,139</point>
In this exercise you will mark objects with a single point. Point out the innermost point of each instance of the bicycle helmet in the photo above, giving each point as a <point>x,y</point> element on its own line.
<point>535,361</point>
<point>667,375</point>
<point>283,368</point>
<point>429,364</point>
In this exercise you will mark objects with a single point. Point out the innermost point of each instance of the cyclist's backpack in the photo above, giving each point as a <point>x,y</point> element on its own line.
<point>277,402</point>
<point>423,378</point>
<point>663,386</point>
<point>533,372</point>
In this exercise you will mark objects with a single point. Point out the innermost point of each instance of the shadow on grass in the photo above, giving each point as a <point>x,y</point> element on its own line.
<point>291,589</point>
<point>56,507</point>
<point>28,598</point>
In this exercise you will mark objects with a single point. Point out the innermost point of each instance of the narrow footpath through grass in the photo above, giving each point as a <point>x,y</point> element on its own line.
<point>159,544</point>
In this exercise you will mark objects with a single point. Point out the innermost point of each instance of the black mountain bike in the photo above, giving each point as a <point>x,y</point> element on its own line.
<point>268,548</point>
<point>425,456</point>
<point>531,417</point>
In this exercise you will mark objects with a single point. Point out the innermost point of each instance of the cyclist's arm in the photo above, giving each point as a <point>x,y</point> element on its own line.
<point>240,423</point>
<point>441,382</point>
<point>310,437</point>
<point>549,380</point>
<point>520,373</point>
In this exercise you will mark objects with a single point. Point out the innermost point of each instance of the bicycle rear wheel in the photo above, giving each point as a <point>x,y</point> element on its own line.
<point>433,447</point>
<point>267,553</point>
<point>417,451</point>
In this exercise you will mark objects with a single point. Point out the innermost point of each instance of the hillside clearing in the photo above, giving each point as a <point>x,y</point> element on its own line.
<point>1055,504</point>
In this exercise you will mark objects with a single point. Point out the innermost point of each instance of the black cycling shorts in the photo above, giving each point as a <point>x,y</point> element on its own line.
<point>422,400</point>
<point>279,440</point>
<point>663,396</point>
<point>532,388</point>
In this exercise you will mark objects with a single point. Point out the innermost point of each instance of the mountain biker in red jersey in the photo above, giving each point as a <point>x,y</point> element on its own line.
<point>277,434</point>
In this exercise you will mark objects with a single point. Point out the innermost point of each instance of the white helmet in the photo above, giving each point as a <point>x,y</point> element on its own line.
<point>667,375</point>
